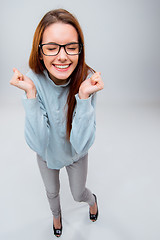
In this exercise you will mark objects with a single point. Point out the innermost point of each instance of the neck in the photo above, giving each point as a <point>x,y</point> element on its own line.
<point>58,81</point>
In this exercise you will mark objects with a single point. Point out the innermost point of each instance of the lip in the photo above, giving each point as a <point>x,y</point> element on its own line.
<point>61,69</point>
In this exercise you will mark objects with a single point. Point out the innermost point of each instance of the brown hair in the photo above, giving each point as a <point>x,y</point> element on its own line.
<point>81,70</point>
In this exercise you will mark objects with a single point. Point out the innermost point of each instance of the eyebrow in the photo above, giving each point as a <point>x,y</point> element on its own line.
<point>58,43</point>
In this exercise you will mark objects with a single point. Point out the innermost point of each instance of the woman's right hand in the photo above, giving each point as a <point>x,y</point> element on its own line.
<point>23,82</point>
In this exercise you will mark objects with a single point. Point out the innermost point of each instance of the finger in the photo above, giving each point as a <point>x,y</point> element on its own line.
<point>15,70</point>
<point>97,87</point>
<point>19,75</point>
<point>96,74</point>
<point>95,79</point>
<point>99,83</point>
<point>14,80</point>
<point>99,73</point>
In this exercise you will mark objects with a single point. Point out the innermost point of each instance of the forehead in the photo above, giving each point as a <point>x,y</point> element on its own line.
<point>60,33</point>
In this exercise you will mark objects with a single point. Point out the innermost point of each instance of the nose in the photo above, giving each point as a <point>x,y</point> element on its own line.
<point>62,55</point>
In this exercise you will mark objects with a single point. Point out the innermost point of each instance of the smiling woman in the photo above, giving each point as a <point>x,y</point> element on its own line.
<point>59,101</point>
<point>59,63</point>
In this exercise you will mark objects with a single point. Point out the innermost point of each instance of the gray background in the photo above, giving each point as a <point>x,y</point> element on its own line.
<point>122,42</point>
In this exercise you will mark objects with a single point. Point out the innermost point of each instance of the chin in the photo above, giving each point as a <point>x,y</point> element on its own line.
<point>61,75</point>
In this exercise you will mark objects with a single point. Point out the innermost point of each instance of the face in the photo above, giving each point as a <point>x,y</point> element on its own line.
<point>61,66</point>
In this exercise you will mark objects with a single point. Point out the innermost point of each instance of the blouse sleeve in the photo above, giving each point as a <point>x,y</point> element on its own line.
<point>36,124</point>
<point>83,124</point>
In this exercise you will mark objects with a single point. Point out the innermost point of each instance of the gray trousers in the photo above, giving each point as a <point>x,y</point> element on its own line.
<point>77,174</point>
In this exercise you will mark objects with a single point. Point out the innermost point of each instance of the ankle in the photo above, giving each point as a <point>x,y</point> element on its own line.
<point>57,222</point>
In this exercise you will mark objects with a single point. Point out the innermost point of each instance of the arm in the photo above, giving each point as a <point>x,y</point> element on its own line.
<point>36,120</point>
<point>36,124</point>
<point>84,122</point>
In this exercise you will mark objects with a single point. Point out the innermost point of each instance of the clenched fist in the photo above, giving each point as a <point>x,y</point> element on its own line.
<point>23,82</point>
<point>91,85</point>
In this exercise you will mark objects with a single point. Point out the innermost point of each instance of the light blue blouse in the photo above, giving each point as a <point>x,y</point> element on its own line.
<point>45,122</point>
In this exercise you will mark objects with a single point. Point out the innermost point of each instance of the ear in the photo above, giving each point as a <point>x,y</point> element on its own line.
<point>40,54</point>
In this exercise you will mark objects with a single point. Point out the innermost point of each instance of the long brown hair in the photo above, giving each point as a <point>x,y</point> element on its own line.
<point>81,70</point>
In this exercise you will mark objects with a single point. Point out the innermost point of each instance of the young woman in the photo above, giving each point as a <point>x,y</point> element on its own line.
<point>59,104</point>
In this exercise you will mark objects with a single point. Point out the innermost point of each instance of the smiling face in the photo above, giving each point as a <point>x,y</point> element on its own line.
<point>61,66</point>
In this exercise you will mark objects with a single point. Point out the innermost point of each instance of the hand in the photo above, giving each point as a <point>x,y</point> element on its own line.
<point>91,85</point>
<point>23,82</point>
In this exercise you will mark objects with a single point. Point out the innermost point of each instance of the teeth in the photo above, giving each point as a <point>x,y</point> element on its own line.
<point>62,66</point>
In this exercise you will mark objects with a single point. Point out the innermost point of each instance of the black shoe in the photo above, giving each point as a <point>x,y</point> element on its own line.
<point>58,232</point>
<point>94,217</point>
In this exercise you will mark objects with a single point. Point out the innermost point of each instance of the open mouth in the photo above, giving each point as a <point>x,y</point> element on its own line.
<point>61,67</point>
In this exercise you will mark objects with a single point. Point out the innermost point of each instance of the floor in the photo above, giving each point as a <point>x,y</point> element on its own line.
<point>124,166</point>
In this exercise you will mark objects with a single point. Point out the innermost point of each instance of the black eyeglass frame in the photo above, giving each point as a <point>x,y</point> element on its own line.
<point>60,46</point>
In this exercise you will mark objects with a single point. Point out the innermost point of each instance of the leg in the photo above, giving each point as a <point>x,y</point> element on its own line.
<point>51,182</point>
<point>77,173</point>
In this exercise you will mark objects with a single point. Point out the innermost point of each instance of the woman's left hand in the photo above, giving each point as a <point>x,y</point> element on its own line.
<point>91,85</point>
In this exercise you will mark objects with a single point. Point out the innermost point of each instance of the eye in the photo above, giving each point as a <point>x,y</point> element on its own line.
<point>71,48</point>
<point>51,49</point>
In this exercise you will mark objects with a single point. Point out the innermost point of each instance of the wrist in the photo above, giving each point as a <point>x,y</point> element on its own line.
<point>31,93</point>
<point>83,95</point>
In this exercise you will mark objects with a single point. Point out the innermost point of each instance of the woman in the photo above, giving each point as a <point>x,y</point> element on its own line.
<point>59,104</point>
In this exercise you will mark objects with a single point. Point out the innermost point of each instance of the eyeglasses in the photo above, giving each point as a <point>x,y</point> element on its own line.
<point>52,49</point>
